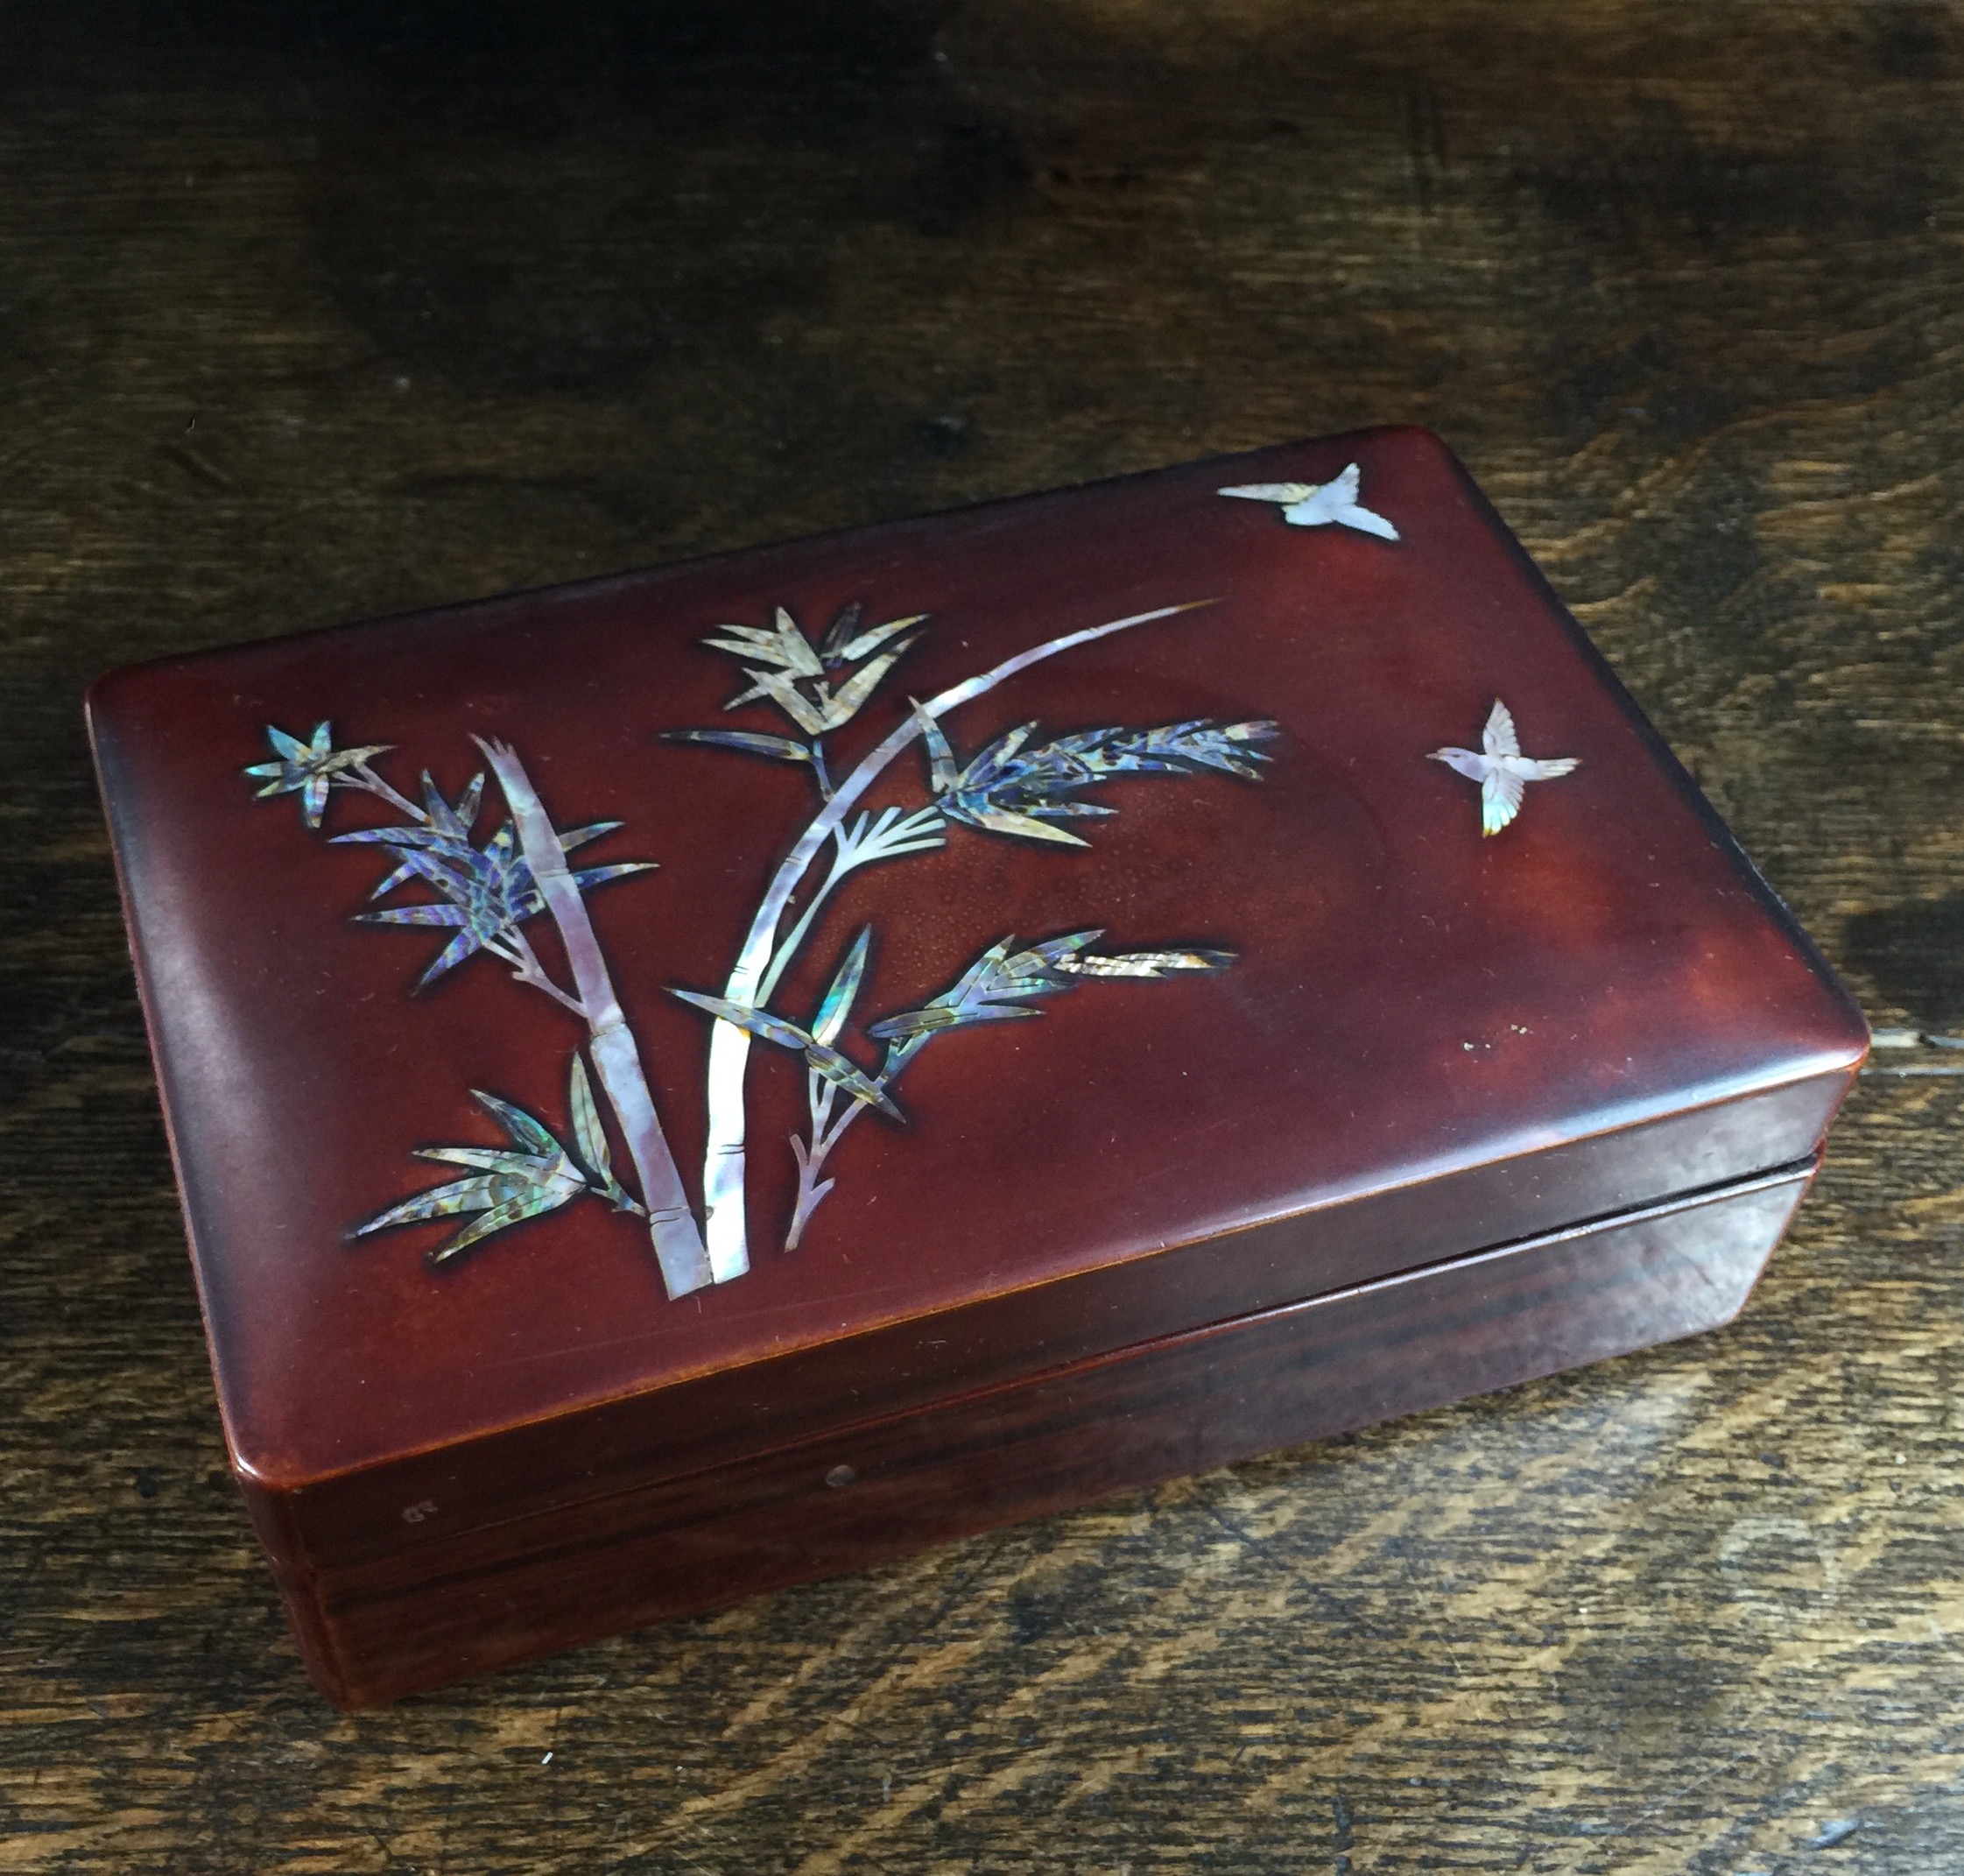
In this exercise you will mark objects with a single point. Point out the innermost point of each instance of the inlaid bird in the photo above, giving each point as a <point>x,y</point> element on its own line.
<point>1318,504</point>
<point>1500,768</point>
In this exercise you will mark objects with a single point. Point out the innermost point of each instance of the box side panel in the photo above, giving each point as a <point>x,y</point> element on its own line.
<point>430,1500</point>
<point>875,1491</point>
<point>298,1591</point>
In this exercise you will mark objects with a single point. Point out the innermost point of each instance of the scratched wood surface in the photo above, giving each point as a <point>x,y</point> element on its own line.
<point>313,313</point>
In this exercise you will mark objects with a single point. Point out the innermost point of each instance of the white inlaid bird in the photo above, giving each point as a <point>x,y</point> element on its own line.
<point>1500,768</point>
<point>1318,504</point>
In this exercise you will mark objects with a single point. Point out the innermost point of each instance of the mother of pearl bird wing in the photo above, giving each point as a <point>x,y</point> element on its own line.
<point>1498,737</point>
<point>1500,797</point>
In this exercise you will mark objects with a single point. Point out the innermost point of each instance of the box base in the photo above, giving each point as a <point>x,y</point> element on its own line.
<point>868,1494</point>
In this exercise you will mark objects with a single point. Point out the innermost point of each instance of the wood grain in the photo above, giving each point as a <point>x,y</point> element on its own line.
<point>356,308</point>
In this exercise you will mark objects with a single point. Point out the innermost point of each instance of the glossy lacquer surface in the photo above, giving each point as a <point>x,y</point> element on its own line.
<point>877,1490</point>
<point>1409,1002</point>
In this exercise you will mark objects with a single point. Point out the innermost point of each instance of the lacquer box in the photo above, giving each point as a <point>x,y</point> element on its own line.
<point>697,1081</point>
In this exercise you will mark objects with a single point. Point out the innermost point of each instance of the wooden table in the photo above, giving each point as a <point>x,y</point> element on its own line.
<point>305,318</point>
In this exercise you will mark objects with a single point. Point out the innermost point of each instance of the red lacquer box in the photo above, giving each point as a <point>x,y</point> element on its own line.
<point>697,1081</point>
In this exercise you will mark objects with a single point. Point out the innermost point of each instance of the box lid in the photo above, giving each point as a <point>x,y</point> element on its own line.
<point>1313,988</point>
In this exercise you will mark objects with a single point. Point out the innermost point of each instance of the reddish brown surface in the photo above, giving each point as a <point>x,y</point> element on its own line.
<point>716,1418</point>
<point>1606,960</point>
<point>1179,1405</point>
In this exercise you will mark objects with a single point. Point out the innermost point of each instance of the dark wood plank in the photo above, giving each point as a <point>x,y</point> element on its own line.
<point>349,309</point>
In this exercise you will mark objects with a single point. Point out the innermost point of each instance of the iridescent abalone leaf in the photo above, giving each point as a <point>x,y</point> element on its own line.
<point>514,1211</point>
<point>589,1138</point>
<point>843,631</point>
<point>587,1133</point>
<point>836,1008</point>
<point>844,703</point>
<point>873,637</point>
<point>934,1016</point>
<point>836,1069</point>
<point>846,1075</point>
<point>465,944</point>
<point>1147,964</point>
<point>483,1159</point>
<point>1012,787</point>
<point>783,645</point>
<point>309,769</point>
<point>944,773</point>
<point>1022,827</point>
<point>1000,983</point>
<point>758,1022</point>
<point>489,889</point>
<point>809,716</point>
<point>460,1196</point>
<point>586,877</point>
<point>993,989</point>
<point>414,915</point>
<point>530,1134</point>
<point>749,742</point>
<point>508,1186</point>
<point>450,823</point>
<point>811,686</point>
